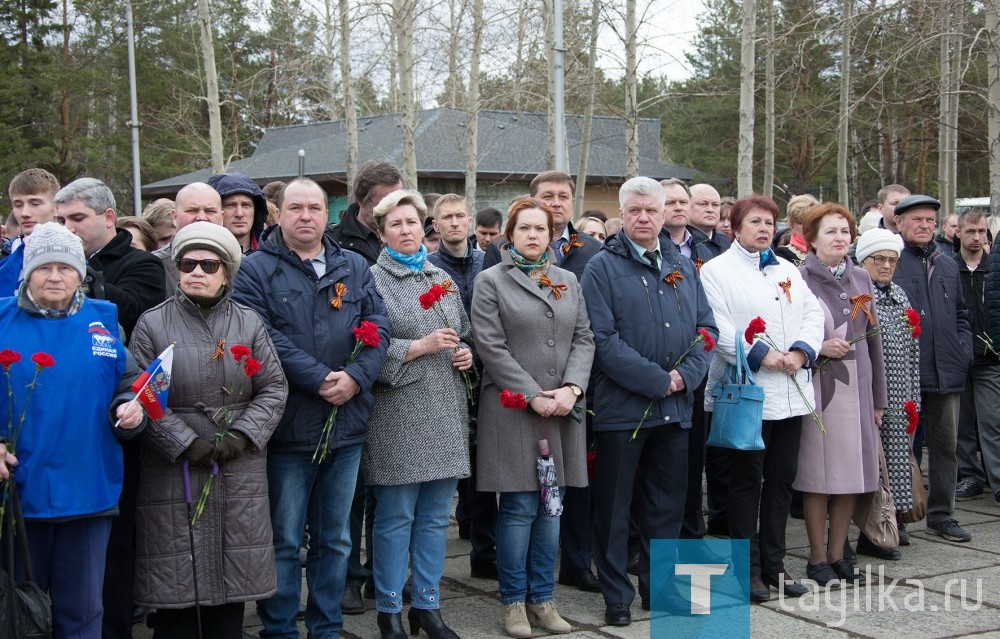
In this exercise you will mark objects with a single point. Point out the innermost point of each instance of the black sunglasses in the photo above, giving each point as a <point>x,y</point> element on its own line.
<point>186,265</point>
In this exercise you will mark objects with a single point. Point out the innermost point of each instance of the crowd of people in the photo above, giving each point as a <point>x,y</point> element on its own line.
<point>331,387</point>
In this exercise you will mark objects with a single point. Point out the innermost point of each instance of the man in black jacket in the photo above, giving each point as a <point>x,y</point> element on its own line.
<point>978,419</point>
<point>932,283</point>
<point>244,209</point>
<point>134,281</point>
<point>356,231</point>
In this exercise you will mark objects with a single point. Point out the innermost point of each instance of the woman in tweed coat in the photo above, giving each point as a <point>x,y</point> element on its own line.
<point>877,249</point>
<point>417,446</point>
<point>533,336</point>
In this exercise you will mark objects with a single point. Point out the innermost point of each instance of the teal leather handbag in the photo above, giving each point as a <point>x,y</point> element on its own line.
<point>739,407</point>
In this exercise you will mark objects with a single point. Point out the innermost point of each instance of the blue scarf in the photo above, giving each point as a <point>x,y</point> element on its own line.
<point>767,258</point>
<point>413,262</point>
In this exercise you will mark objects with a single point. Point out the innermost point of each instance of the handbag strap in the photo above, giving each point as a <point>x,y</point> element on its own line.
<point>16,520</point>
<point>743,373</point>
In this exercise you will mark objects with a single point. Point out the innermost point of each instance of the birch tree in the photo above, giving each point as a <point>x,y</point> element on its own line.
<point>951,69</point>
<point>769,89</point>
<point>588,114</point>
<point>472,107</point>
<point>350,111</point>
<point>403,15</point>
<point>211,85</point>
<point>844,112</point>
<point>631,99</point>
<point>744,166</point>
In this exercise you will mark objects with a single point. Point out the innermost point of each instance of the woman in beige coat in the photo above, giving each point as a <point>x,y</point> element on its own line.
<point>533,335</point>
<point>233,548</point>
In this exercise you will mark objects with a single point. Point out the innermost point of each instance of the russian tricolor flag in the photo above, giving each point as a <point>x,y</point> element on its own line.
<point>152,385</point>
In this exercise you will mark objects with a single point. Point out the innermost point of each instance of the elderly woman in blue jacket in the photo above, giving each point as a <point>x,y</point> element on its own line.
<point>72,338</point>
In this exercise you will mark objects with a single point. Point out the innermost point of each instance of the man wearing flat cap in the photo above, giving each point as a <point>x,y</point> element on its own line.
<point>932,283</point>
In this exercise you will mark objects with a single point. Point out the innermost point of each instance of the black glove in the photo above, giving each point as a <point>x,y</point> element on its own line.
<point>230,447</point>
<point>199,453</point>
<point>93,284</point>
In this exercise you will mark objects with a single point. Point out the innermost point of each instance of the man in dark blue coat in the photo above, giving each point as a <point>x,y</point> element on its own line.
<point>932,283</point>
<point>292,282</point>
<point>646,305</point>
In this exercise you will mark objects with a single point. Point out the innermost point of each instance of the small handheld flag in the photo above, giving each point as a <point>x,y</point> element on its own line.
<point>152,385</point>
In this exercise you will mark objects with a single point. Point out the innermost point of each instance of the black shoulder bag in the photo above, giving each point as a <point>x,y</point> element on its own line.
<point>25,611</point>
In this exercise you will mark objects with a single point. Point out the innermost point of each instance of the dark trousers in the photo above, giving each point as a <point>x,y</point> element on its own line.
<point>760,493</point>
<point>718,462</point>
<point>482,509</point>
<point>693,526</point>
<point>217,622</point>
<point>67,562</point>
<point>119,569</point>
<point>575,522</point>
<point>362,519</point>
<point>659,455</point>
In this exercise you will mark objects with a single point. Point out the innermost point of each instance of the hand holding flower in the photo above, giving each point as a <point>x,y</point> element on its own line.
<point>794,361</point>
<point>462,359</point>
<point>338,387</point>
<point>676,383</point>
<point>774,361</point>
<point>878,416</point>
<point>563,401</point>
<point>442,339</point>
<point>7,461</point>
<point>541,404</point>
<point>835,348</point>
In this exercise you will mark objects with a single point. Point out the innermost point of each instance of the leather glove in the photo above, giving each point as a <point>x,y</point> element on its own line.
<point>199,453</point>
<point>93,284</point>
<point>230,447</point>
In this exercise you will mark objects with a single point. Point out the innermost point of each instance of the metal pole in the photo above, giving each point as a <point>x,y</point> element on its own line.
<point>134,119</point>
<point>559,107</point>
<point>302,162</point>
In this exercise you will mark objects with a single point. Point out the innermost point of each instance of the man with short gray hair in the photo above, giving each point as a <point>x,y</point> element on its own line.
<point>646,306</point>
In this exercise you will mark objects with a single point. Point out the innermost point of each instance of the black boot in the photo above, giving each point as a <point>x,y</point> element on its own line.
<point>390,625</point>
<point>430,621</point>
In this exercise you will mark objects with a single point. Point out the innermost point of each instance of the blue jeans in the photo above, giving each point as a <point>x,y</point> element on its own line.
<point>527,543</point>
<point>297,488</point>
<point>67,561</point>
<point>410,519</point>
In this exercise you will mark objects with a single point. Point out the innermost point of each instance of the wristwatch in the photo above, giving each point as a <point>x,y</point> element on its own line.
<point>576,389</point>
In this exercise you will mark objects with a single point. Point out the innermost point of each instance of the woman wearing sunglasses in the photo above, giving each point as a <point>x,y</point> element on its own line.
<point>210,377</point>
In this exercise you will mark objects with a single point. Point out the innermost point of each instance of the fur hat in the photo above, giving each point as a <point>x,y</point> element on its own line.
<point>53,242</point>
<point>211,237</point>
<point>876,240</point>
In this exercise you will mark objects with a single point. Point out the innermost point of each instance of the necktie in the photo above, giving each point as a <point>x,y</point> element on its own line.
<point>557,247</point>
<point>651,258</point>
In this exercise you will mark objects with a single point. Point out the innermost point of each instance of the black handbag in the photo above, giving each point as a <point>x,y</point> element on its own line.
<point>25,610</point>
<point>739,407</point>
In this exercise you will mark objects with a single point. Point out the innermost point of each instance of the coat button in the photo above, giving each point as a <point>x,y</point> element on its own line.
<point>666,324</point>
<point>776,298</point>
<point>548,313</point>
<point>846,312</point>
<point>843,296</point>
<point>552,372</point>
<point>552,342</point>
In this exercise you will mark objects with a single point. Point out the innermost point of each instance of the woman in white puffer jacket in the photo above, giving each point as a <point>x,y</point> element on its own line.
<point>746,282</point>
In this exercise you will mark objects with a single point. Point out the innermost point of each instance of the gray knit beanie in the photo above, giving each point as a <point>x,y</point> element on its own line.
<point>52,242</point>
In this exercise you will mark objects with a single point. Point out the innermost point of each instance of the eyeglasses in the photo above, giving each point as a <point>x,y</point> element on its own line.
<point>187,265</point>
<point>880,260</point>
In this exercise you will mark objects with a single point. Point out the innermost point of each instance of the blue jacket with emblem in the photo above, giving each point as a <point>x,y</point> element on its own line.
<point>69,460</point>
<point>642,324</point>
<point>313,337</point>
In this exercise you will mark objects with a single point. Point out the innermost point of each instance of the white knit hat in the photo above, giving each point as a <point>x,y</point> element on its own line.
<point>53,242</point>
<point>212,237</point>
<point>877,240</point>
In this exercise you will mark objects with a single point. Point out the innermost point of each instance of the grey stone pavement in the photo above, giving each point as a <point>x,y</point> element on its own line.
<point>930,605</point>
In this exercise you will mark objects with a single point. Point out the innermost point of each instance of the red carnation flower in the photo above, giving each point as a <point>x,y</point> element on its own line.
<point>8,357</point>
<point>43,360</point>
<point>515,401</point>
<point>707,338</point>
<point>432,296</point>
<point>239,352</point>
<point>757,326</point>
<point>591,465</point>
<point>913,320</point>
<point>912,417</point>
<point>367,333</point>
<point>251,367</point>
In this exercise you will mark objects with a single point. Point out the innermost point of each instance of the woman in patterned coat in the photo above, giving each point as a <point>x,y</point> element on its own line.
<point>878,252</point>
<point>418,442</point>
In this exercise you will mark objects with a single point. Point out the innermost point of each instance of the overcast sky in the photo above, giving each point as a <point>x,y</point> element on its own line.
<point>667,31</point>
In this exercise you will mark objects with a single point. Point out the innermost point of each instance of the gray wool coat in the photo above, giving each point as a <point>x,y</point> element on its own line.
<point>418,430</point>
<point>528,341</point>
<point>232,539</point>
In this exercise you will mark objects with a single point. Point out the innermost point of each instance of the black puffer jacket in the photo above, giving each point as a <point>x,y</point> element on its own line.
<point>238,184</point>
<point>974,288</point>
<point>131,279</point>
<point>462,270</point>
<point>932,283</point>
<point>354,236</point>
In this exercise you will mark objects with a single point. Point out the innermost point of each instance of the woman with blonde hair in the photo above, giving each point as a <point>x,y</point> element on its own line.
<point>796,249</point>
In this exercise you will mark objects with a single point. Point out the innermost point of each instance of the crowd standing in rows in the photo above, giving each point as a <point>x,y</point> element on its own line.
<point>332,386</point>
